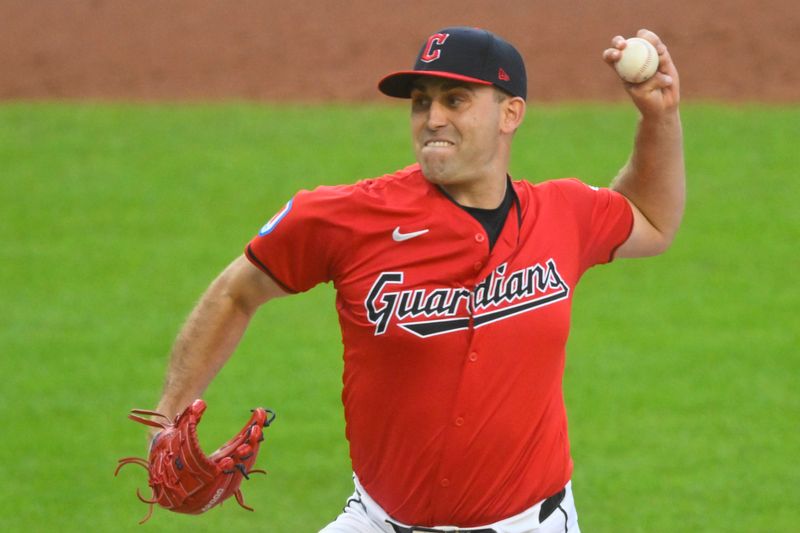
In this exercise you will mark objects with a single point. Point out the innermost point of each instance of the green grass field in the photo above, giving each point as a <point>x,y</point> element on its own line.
<point>682,384</point>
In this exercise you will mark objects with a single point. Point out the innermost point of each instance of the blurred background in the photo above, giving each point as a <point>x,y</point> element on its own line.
<point>736,50</point>
<point>144,142</point>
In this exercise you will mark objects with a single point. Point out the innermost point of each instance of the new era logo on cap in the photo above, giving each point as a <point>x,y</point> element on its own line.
<point>467,54</point>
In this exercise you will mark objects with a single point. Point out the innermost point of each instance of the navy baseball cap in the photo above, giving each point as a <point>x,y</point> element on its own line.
<point>467,54</point>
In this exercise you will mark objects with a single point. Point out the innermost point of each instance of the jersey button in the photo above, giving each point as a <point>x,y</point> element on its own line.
<point>477,266</point>
<point>445,483</point>
<point>473,356</point>
<point>480,237</point>
<point>459,421</point>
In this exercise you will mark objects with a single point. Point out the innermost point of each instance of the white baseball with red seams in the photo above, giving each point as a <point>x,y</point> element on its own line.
<point>639,61</point>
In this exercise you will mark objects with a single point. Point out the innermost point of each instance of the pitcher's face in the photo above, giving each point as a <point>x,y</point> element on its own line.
<point>456,129</point>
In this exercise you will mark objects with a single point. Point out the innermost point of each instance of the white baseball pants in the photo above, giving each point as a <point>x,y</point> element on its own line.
<point>362,515</point>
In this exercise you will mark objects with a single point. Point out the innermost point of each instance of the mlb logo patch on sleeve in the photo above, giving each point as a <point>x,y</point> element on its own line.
<point>273,222</point>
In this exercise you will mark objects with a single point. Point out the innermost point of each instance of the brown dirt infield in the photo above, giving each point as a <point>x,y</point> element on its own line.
<point>731,50</point>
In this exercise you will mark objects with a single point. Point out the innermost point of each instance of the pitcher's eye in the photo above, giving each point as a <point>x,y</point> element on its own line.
<point>420,101</point>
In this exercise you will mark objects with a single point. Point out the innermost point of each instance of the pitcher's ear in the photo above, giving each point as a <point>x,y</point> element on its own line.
<point>513,114</point>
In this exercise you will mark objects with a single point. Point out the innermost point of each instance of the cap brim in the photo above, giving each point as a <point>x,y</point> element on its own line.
<point>399,84</point>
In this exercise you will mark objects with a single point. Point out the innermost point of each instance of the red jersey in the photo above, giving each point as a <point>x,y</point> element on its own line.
<point>453,354</point>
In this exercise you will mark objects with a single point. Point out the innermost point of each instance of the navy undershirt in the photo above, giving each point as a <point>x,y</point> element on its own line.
<point>493,220</point>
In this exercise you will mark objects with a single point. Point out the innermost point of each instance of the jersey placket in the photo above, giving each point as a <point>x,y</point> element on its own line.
<point>460,420</point>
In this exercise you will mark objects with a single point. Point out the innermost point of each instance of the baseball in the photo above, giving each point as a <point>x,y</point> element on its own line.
<point>639,61</point>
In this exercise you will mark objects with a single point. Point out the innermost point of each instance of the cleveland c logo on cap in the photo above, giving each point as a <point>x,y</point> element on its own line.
<point>429,54</point>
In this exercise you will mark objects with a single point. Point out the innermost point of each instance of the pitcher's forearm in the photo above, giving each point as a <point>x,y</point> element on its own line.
<point>205,343</point>
<point>654,179</point>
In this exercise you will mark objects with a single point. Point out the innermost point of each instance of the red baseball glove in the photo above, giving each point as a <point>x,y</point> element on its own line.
<point>182,478</point>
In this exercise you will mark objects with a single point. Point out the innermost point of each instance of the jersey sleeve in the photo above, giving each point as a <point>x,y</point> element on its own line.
<point>298,247</point>
<point>603,218</point>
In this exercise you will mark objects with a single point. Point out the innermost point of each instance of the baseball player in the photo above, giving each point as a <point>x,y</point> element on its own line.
<point>454,286</point>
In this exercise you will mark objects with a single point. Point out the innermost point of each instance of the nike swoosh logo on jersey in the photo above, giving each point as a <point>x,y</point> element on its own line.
<point>400,237</point>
